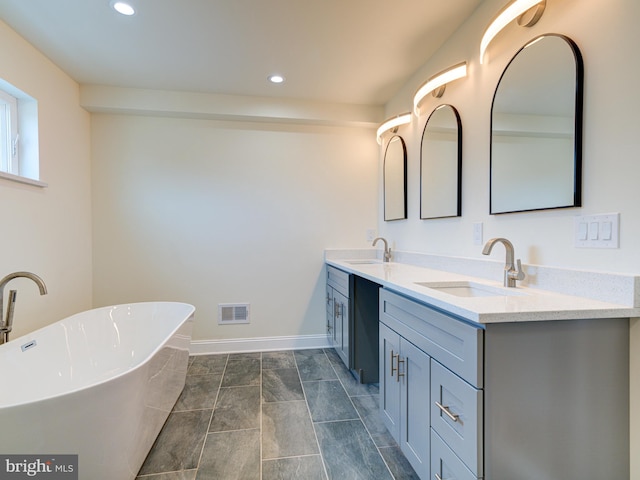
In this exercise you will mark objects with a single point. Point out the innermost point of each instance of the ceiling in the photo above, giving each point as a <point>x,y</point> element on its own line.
<point>345,51</point>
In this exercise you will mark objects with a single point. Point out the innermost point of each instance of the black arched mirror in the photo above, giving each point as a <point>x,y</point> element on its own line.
<point>536,128</point>
<point>441,164</point>
<point>395,179</point>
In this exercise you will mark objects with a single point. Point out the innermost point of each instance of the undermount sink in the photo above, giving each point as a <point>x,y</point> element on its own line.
<point>363,262</point>
<point>469,289</point>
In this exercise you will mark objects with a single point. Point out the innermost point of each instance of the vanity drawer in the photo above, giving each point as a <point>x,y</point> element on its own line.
<point>339,280</point>
<point>452,342</point>
<point>456,415</point>
<point>444,463</point>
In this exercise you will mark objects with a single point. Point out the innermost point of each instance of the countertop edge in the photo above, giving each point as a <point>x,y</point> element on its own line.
<point>533,305</point>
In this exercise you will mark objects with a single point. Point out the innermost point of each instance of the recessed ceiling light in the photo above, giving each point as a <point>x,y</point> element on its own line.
<point>123,8</point>
<point>276,78</point>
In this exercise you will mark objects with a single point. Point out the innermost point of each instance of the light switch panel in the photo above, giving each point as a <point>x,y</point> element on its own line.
<point>597,231</point>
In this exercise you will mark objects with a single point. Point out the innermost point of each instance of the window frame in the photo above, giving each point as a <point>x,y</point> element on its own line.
<point>19,112</point>
<point>9,134</point>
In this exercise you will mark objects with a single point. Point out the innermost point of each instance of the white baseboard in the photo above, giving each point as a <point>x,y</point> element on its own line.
<point>263,344</point>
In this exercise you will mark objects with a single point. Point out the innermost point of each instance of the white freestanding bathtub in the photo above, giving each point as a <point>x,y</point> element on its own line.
<point>99,384</point>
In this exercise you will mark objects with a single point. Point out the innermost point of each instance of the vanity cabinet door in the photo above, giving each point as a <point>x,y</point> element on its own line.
<point>340,284</point>
<point>404,397</point>
<point>414,371</point>
<point>331,331</point>
<point>341,325</point>
<point>389,384</point>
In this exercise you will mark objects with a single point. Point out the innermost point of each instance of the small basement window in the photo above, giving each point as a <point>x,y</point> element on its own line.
<point>9,134</point>
<point>19,150</point>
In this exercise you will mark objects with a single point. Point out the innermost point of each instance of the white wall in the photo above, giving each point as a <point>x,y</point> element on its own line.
<point>48,231</point>
<point>608,36</point>
<point>209,212</point>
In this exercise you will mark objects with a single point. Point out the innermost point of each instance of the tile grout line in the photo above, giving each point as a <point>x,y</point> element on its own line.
<point>231,431</point>
<point>313,425</point>
<point>151,475</point>
<point>293,456</point>
<point>213,408</point>
<point>342,420</point>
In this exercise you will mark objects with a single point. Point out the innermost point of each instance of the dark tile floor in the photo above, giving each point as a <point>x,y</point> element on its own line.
<point>274,415</point>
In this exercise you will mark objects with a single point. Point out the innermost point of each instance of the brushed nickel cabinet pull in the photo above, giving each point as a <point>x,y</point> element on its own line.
<point>447,412</point>
<point>400,374</point>
<point>392,357</point>
<point>438,477</point>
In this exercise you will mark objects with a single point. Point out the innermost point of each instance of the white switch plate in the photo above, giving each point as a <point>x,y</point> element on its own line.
<point>477,233</point>
<point>582,232</point>
<point>597,231</point>
<point>371,234</point>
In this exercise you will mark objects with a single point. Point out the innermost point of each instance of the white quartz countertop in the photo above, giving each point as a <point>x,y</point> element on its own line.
<point>521,304</point>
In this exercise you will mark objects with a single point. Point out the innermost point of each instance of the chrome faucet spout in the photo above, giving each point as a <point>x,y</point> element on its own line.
<point>387,250</point>
<point>7,324</point>
<point>512,272</point>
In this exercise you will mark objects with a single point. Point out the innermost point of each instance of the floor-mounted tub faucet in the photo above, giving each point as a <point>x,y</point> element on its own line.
<point>6,324</point>
<point>511,274</point>
<point>387,250</point>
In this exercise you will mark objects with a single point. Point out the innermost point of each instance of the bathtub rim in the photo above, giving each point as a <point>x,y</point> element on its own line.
<point>141,364</point>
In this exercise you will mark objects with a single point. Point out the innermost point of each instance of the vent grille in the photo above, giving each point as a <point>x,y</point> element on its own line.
<point>231,313</point>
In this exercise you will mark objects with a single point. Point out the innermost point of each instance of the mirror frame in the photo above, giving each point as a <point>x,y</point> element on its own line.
<point>578,119</point>
<point>459,162</point>
<point>404,175</point>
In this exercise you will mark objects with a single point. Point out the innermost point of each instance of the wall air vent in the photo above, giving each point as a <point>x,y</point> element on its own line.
<point>232,313</point>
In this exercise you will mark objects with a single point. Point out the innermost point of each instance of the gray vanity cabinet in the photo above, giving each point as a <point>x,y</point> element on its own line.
<point>506,400</point>
<point>420,398</point>
<point>338,311</point>
<point>352,322</point>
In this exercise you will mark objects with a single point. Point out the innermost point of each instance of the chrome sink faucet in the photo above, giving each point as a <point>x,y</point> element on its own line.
<point>6,324</point>
<point>511,274</point>
<point>387,250</point>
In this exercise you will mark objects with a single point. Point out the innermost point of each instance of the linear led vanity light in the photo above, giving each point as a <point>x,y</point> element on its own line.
<point>392,124</point>
<point>437,84</point>
<point>515,9</point>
